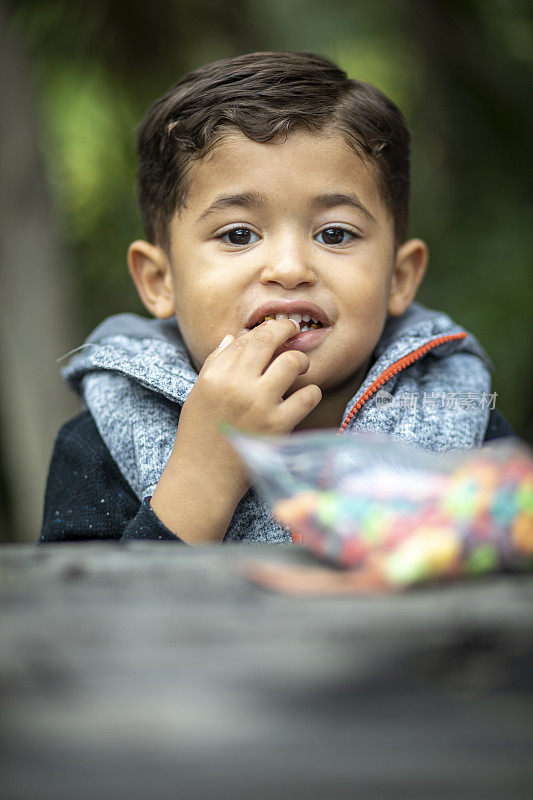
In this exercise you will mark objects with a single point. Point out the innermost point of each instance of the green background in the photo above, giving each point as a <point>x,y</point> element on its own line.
<point>460,72</point>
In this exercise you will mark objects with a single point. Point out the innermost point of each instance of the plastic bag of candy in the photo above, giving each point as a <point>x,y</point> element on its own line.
<point>397,514</point>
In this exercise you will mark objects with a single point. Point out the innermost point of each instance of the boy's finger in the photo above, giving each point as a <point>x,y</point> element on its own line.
<point>263,341</point>
<point>282,372</point>
<point>225,342</point>
<point>296,407</point>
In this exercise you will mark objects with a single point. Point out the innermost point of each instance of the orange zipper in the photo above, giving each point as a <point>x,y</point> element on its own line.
<point>402,363</point>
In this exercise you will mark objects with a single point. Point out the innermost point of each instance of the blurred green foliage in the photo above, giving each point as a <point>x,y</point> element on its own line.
<point>460,71</point>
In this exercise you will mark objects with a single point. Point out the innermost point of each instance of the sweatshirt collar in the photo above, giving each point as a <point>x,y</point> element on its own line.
<point>152,351</point>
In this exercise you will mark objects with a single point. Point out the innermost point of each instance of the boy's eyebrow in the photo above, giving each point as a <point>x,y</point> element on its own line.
<point>332,200</point>
<point>244,200</point>
<point>255,200</point>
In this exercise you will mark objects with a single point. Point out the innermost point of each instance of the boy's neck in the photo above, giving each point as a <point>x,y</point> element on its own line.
<point>330,410</point>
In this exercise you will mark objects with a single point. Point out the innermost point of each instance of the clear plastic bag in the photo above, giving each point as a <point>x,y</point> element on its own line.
<point>398,514</point>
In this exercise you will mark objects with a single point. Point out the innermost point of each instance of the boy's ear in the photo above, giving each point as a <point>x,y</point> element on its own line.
<point>409,269</point>
<point>149,268</point>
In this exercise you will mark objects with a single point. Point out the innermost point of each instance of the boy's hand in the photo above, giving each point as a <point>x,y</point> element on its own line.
<point>242,384</point>
<point>204,478</point>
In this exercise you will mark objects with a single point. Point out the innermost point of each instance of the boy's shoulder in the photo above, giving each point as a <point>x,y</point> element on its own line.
<point>79,442</point>
<point>87,497</point>
<point>498,426</point>
<point>82,430</point>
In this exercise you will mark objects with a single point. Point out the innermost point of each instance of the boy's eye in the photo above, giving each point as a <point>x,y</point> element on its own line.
<point>335,235</point>
<point>239,236</point>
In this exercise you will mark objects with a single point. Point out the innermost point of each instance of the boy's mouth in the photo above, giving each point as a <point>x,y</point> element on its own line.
<point>305,321</point>
<point>306,340</point>
<point>309,316</point>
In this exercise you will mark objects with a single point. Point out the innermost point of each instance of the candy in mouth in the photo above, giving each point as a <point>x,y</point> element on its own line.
<point>305,321</point>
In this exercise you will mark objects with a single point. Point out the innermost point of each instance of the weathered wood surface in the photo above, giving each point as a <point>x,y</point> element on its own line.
<point>157,671</point>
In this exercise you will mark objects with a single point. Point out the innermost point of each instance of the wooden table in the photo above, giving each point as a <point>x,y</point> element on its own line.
<point>159,671</point>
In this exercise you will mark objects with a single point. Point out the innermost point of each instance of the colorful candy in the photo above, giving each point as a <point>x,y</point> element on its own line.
<point>406,527</point>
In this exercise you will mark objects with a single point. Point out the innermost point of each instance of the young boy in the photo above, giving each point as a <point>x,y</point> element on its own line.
<point>274,192</point>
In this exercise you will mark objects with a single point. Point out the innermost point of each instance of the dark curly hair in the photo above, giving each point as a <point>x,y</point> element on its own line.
<point>264,95</point>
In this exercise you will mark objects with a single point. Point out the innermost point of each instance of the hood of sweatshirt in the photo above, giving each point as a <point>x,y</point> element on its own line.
<point>429,385</point>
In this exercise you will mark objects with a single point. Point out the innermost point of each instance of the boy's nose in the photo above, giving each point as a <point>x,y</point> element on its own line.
<point>289,269</point>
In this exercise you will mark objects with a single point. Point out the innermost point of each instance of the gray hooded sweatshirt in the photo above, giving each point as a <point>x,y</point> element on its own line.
<point>429,385</point>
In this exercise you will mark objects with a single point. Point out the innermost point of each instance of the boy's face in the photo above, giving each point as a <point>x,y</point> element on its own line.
<point>289,247</point>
